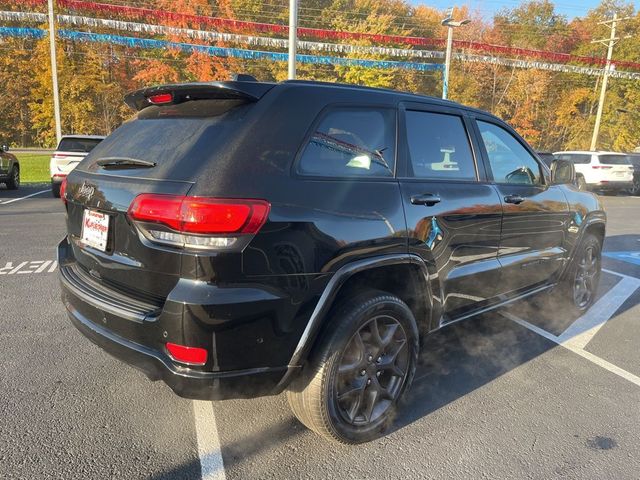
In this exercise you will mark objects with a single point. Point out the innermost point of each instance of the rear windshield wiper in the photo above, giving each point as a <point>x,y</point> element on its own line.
<point>124,162</point>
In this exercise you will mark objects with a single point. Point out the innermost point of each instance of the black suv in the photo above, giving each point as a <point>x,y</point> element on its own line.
<point>240,239</point>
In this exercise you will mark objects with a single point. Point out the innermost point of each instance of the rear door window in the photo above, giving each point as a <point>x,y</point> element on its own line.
<point>439,147</point>
<point>351,141</point>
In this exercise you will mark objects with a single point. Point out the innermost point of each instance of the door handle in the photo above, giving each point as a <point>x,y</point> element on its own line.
<point>428,199</point>
<point>517,199</point>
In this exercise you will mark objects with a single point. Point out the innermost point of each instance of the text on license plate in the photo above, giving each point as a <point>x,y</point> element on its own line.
<point>95,229</point>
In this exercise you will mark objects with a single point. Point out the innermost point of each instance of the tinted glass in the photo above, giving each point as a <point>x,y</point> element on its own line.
<point>82,145</point>
<point>613,159</point>
<point>510,162</point>
<point>439,147</point>
<point>575,157</point>
<point>187,134</point>
<point>352,142</point>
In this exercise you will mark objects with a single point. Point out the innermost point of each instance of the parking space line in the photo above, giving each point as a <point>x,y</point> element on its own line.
<point>580,333</point>
<point>209,450</point>
<point>22,198</point>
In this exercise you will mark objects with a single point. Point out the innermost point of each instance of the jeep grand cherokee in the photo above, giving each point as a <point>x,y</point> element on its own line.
<point>240,239</point>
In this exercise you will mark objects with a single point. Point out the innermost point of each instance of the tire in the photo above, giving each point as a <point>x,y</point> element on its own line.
<point>582,272</point>
<point>635,189</point>
<point>13,183</point>
<point>55,189</point>
<point>581,183</point>
<point>332,396</point>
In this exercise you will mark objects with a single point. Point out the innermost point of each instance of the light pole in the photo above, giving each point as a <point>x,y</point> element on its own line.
<point>450,23</point>
<point>54,71</point>
<point>293,38</point>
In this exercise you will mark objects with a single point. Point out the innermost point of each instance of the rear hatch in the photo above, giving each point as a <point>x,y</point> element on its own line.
<point>615,168</point>
<point>161,151</point>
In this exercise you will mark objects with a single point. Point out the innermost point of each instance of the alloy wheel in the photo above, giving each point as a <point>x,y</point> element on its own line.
<point>372,371</point>
<point>585,284</point>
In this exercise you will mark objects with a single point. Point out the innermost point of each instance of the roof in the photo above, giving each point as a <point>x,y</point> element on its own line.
<point>253,91</point>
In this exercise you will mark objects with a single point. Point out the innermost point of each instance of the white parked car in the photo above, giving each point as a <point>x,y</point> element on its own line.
<point>71,150</point>
<point>610,171</point>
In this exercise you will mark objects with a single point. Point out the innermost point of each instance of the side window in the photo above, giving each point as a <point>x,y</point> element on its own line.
<point>510,162</point>
<point>352,142</point>
<point>438,147</point>
<point>577,158</point>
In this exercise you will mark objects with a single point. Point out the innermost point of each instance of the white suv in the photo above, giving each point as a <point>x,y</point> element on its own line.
<point>71,149</point>
<point>609,171</point>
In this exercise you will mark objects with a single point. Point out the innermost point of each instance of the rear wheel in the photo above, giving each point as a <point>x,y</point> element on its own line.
<point>362,367</point>
<point>14,179</point>
<point>55,189</point>
<point>635,188</point>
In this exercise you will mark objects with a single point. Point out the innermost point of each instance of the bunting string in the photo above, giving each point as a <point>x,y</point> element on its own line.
<point>132,42</point>
<point>160,16</point>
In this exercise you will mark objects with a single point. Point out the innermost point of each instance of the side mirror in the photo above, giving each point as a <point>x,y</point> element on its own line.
<point>563,172</point>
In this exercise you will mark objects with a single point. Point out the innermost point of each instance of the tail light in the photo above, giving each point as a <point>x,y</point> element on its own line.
<point>160,98</point>
<point>197,222</point>
<point>187,355</point>
<point>601,167</point>
<point>63,190</point>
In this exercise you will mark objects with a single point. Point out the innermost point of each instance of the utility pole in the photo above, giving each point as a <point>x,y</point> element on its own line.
<point>612,24</point>
<point>293,37</point>
<point>450,24</point>
<point>54,72</point>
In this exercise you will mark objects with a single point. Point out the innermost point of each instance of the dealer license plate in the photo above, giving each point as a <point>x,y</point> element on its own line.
<point>95,229</point>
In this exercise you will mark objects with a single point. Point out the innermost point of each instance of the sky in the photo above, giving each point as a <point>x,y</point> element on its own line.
<point>569,8</point>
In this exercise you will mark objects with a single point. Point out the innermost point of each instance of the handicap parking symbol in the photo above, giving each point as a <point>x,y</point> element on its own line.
<point>631,257</point>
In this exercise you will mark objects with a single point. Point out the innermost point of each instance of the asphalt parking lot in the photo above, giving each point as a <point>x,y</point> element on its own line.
<point>522,393</point>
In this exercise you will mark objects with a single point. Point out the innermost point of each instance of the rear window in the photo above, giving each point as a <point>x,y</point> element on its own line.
<point>351,142</point>
<point>190,134</point>
<point>613,159</point>
<point>80,145</point>
<point>574,157</point>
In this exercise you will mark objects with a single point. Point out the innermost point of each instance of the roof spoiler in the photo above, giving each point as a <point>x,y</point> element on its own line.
<point>180,92</point>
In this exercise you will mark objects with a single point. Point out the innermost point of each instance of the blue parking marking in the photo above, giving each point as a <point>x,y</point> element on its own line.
<point>631,257</point>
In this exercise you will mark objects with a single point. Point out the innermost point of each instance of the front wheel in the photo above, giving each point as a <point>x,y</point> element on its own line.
<point>362,367</point>
<point>578,289</point>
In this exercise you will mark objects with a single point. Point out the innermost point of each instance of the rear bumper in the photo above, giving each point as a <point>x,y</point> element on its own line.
<point>135,333</point>
<point>183,381</point>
